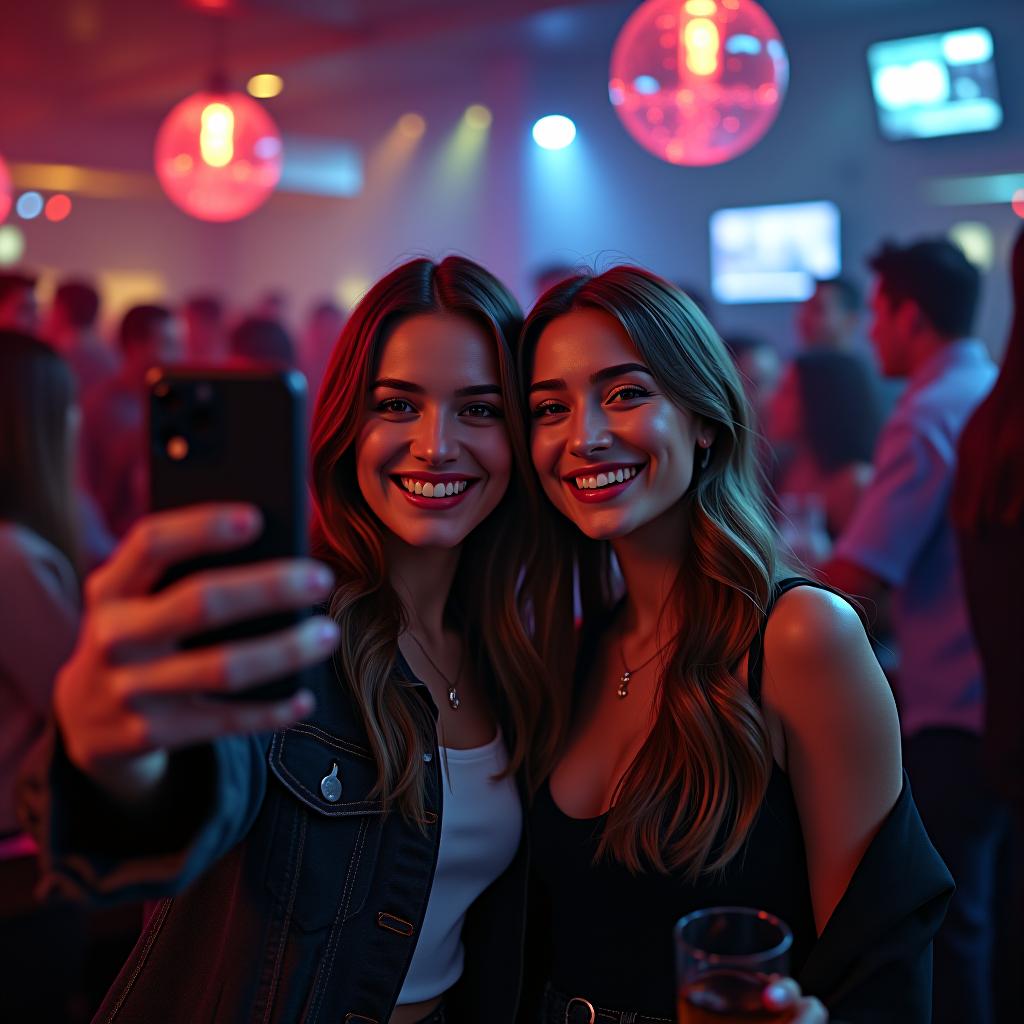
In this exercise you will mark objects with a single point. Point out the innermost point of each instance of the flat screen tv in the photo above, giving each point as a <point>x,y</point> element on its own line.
<point>773,253</point>
<point>942,84</point>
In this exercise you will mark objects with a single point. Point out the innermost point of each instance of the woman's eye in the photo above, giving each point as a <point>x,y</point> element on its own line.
<point>628,393</point>
<point>548,409</point>
<point>482,409</point>
<point>398,405</point>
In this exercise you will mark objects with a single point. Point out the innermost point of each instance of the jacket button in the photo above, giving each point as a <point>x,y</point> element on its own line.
<point>330,786</point>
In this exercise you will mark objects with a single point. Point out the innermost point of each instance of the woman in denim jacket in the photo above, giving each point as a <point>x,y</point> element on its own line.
<point>353,853</point>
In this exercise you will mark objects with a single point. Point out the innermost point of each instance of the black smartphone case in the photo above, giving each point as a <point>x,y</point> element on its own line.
<point>233,435</point>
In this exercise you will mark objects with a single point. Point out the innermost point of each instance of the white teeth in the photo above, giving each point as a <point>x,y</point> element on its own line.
<point>419,487</point>
<point>615,476</point>
<point>428,490</point>
<point>449,488</point>
<point>432,490</point>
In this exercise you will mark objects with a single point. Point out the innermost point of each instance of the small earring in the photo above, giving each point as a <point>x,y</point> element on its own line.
<point>706,445</point>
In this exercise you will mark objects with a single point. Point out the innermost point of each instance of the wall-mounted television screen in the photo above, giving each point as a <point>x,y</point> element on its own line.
<point>773,253</point>
<point>942,84</point>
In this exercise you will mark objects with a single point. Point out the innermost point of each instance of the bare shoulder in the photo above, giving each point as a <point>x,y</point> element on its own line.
<point>816,646</point>
<point>811,621</point>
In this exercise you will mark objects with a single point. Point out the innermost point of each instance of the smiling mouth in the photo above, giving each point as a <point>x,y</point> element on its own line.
<point>602,485</point>
<point>600,481</point>
<point>432,489</point>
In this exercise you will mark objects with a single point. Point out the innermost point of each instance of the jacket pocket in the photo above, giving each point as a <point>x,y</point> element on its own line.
<point>326,831</point>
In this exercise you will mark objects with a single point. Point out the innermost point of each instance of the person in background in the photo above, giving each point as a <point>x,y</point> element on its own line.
<point>206,338</point>
<point>272,305</point>
<point>827,413</point>
<point>988,512</point>
<point>71,328</point>
<point>18,308</point>
<point>900,541</point>
<point>760,368</point>
<point>263,344</point>
<point>830,317</point>
<point>40,947</point>
<point>324,325</point>
<point>113,420</point>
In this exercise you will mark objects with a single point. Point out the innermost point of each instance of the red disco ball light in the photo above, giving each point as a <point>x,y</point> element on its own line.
<point>218,155</point>
<point>5,190</point>
<point>698,82</point>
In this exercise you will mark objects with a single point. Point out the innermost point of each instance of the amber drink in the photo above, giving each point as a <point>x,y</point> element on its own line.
<point>725,958</point>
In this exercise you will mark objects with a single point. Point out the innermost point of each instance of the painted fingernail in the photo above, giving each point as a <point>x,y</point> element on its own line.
<point>778,993</point>
<point>325,633</point>
<point>303,703</point>
<point>242,522</point>
<point>319,579</point>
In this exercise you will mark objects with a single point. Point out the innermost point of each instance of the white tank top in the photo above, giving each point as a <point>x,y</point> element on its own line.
<point>481,824</point>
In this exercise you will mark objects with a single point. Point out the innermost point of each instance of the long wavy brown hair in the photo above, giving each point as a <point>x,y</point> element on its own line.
<point>693,792</point>
<point>36,460</point>
<point>490,599</point>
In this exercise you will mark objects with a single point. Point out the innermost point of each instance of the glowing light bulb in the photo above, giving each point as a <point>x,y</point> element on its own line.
<point>554,132</point>
<point>700,46</point>
<point>216,136</point>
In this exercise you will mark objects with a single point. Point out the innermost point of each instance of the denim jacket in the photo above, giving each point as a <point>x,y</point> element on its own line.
<point>276,904</point>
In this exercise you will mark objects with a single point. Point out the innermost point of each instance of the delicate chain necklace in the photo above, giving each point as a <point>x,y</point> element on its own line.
<point>453,694</point>
<point>628,673</point>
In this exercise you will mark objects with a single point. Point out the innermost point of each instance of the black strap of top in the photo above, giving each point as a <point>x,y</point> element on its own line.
<point>755,656</point>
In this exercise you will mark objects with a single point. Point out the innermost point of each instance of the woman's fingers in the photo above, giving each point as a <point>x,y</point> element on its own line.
<point>200,720</point>
<point>209,600</point>
<point>228,668</point>
<point>785,994</point>
<point>163,539</point>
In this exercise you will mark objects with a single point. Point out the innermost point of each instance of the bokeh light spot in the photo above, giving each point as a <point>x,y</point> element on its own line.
<point>12,245</point>
<point>57,208</point>
<point>29,205</point>
<point>265,87</point>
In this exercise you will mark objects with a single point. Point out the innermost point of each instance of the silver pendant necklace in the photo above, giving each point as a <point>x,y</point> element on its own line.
<point>453,694</point>
<point>627,673</point>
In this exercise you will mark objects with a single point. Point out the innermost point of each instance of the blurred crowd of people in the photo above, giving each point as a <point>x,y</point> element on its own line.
<point>897,469</point>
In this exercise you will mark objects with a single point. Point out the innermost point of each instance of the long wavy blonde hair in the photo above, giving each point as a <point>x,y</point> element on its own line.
<point>693,792</point>
<point>489,598</point>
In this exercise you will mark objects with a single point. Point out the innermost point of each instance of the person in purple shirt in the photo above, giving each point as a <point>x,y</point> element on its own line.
<point>899,553</point>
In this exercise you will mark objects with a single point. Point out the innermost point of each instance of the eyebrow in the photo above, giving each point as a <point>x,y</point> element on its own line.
<point>557,384</point>
<point>417,389</point>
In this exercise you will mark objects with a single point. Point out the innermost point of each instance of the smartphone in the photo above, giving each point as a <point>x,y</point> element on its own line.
<point>233,435</point>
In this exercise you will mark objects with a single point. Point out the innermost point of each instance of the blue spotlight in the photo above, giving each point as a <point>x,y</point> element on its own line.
<point>554,132</point>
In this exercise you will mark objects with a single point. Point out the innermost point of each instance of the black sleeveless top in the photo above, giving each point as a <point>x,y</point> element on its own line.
<point>611,931</point>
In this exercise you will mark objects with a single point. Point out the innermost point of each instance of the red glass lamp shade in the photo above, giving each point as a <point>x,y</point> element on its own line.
<point>5,190</point>
<point>698,82</point>
<point>218,155</point>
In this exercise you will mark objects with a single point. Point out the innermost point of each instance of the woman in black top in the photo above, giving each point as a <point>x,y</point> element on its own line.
<point>715,755</point>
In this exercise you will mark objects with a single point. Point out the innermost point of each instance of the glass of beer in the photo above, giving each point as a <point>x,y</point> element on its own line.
<point>725,958</point>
